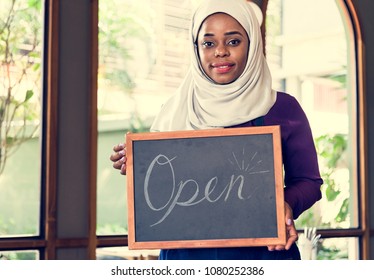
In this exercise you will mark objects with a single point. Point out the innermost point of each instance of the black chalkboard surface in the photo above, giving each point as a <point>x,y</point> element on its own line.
<point>205,188</point>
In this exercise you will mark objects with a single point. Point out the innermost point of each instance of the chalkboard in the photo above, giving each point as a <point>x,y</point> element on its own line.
<point>205,188</point>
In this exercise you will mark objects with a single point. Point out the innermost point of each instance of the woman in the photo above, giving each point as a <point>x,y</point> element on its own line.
<point>229,85</point>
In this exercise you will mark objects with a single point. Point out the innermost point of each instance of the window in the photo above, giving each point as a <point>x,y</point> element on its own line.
<point>21,51</point>
<point>309,53</point>
<point>62,226</point>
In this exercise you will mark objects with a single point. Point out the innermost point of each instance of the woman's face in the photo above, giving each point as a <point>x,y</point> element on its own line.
<point>223,48</point>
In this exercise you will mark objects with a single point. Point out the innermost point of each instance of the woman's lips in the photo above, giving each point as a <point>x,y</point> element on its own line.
<point>222,68</point>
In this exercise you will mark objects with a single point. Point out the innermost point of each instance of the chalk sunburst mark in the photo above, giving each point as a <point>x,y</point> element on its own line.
<point>247,167</point>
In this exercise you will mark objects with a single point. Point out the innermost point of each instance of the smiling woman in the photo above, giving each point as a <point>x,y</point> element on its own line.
<point>223,55</point>
<point>242,100</point>
<point>135,81</point>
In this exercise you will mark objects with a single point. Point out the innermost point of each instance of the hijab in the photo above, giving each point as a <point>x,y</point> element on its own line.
<point>199,102</point>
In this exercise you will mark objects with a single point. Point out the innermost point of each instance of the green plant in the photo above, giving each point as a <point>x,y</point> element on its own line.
<point>331,149</point>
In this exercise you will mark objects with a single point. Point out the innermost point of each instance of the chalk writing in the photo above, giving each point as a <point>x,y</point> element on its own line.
<point>209,193</point>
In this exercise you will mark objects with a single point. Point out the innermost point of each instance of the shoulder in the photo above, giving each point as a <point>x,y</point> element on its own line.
<point>286,106</point>
<point>285,99</point>
<point>288,113</point>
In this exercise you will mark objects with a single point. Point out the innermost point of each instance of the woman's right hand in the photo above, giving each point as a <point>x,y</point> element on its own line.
<point>119,158</point>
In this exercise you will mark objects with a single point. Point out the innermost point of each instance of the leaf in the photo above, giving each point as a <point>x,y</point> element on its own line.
<point>331,194</point>
<point>9,140</point>
<point>37,4</point>
<point>343,212</point>
<point>29,94</point>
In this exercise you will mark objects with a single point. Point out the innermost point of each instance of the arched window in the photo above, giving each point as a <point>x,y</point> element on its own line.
<point>311,51</point>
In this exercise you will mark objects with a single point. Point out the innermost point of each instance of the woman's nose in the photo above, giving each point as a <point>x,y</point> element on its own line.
<point>221,51</point>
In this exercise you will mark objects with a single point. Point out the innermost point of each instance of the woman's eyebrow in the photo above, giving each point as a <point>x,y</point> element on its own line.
<point>233,33</point>
<point>229,33</point>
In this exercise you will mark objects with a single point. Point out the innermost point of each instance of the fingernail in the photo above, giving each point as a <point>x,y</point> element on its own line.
<point>121,153</point>
<point>289,222</point>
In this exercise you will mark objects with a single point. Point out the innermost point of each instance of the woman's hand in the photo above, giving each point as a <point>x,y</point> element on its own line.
<point>291,232</point>
<point>119,158</point>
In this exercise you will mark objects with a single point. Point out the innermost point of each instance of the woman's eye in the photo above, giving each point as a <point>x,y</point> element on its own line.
<point>207,44</point>
<point>234,42</point>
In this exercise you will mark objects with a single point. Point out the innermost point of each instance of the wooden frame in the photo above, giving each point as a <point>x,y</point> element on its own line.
<point>142,234</point>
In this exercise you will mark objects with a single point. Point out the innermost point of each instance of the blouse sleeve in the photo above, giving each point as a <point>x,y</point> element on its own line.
<point>301,170</point>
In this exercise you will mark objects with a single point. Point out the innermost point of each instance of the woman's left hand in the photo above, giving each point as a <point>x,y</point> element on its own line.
<point>291,232</point>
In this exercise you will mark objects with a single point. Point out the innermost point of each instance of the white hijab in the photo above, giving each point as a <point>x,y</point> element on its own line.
<point>199,103</point>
